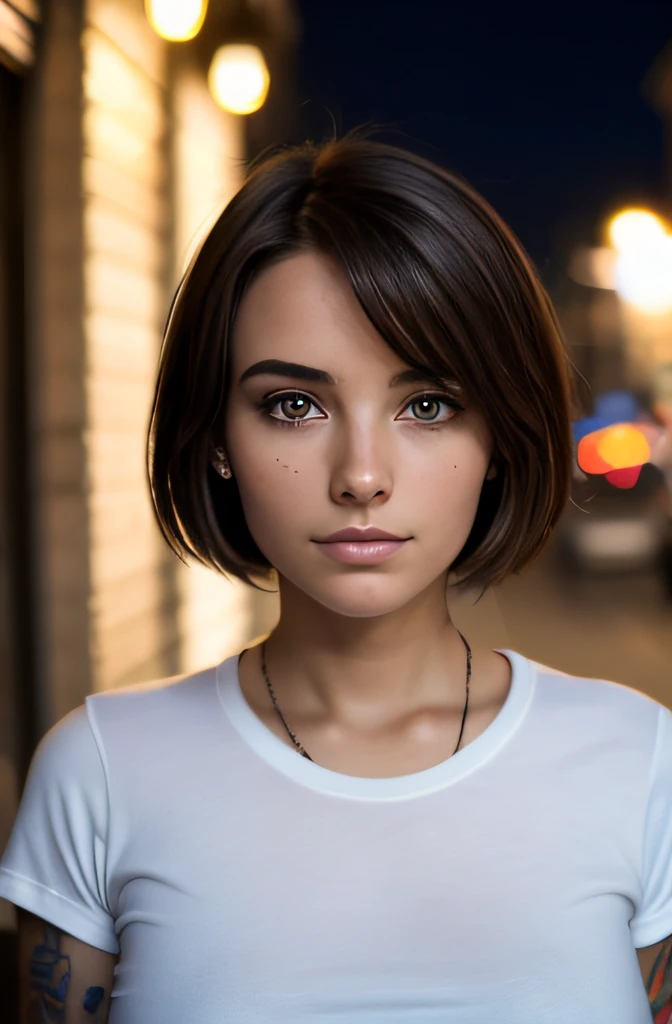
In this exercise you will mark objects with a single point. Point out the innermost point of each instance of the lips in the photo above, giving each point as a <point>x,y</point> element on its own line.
<point>361,534</point>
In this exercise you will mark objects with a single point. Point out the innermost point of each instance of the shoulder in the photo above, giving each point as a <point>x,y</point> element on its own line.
<point>75,746</point>
<point>560,686</point>
<point>67,777</point>
<point>169,696</point>
<point>597,707</point>
<point>146,723</point>
<point>69,744</point>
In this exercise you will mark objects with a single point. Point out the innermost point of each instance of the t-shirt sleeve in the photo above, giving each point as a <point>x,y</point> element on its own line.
<point>653,918</point>
<point>54,863</point>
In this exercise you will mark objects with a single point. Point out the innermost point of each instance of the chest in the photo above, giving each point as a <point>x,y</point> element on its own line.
<point>469,868</point>
<point>312,913</point>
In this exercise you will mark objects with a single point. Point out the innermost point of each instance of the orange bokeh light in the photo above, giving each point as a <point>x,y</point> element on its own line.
<point>617,448</point>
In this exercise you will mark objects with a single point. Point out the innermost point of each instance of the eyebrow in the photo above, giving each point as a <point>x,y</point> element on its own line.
<point>297,371</point>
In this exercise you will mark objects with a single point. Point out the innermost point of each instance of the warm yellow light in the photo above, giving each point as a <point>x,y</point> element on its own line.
<point>644,276</point>
<point>238,78</point>
<point>176,20</point>
<point>635,229</point>
<point>623,446</point>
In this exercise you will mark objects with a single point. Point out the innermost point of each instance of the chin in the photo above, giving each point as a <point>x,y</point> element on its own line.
<point>360,598</point>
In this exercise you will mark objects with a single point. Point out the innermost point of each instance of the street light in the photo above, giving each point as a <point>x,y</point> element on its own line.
<point>644,276</point>
<point>643,268</point>
<point>176,20</point>
<point>631,228</point>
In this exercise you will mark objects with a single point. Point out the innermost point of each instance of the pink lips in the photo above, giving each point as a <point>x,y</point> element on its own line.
<point>360,533</point>
<point>367,546</point>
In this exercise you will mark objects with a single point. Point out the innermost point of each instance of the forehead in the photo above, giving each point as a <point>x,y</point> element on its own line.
<point>304,310</point>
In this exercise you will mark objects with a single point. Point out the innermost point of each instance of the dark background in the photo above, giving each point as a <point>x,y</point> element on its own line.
<point>540,107</point>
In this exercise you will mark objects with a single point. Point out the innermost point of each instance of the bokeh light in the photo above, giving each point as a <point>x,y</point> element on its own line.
<point>635,229</point>
<point>239,78</point>
<point>644,275</point>
<point>622,446</point>
<point>176,20</point>
<point>617,451</point>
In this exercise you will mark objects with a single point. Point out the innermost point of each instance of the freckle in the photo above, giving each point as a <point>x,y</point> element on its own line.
<point>285,467</point>
<point>277,460</point>
<point>296,471</point>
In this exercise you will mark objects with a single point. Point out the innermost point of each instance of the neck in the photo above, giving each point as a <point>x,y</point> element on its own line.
<point>358,671</point>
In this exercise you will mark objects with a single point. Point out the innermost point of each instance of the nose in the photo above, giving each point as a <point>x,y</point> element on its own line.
<point>362,470</point>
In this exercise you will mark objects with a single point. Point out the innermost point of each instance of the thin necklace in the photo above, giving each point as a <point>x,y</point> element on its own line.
<point>301,749</point>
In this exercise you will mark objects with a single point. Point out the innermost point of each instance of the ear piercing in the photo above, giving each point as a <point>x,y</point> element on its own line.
<point>222,463</point>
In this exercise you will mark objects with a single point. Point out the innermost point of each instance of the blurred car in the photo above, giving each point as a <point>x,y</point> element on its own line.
<point>618,530</point>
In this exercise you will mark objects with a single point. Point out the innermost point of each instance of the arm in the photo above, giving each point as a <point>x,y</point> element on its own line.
<point>61,979</point>
<point>656,966</point>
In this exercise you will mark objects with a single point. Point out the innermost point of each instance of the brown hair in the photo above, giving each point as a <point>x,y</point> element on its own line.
<point>447,286</point>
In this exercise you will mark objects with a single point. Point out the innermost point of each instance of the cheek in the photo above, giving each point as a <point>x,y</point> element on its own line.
<point>446,500</point>
<point>268,474</point>
<point>275,491</point>
<point>455,475</point>
<point>459,493</point>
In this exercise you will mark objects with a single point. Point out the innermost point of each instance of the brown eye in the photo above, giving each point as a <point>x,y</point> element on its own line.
<point>294,408</point>
<point>428,407</point>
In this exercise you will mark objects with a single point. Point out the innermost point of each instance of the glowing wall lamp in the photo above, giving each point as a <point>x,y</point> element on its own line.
<point>239,78</point>
<point>232,47</point>
<point>176,20</point>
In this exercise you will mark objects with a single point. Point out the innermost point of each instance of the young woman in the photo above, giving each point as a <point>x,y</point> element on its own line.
<point>363,397</point>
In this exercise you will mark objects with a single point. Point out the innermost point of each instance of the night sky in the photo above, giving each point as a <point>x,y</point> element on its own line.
<point>543,112</point>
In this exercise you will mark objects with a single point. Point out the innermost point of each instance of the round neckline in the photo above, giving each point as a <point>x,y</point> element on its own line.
<point>307,773</point>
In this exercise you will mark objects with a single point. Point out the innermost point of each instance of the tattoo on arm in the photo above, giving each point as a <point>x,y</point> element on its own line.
<point>93,997</point>
<point>659,987</point>
<point>49,978</point>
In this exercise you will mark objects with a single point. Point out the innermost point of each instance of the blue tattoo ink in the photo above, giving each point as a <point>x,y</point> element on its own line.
<point>50,975</point>
<point>93,997</point>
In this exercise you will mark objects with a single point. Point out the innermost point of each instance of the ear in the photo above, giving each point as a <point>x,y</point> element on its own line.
<point>492,470</point>
<point>219,462</point>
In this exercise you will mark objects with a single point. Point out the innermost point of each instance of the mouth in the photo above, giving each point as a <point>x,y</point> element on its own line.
<point>361,535</point>
<point>361,552</point>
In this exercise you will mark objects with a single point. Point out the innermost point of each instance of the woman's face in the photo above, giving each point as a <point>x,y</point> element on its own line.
<point>363,452</point>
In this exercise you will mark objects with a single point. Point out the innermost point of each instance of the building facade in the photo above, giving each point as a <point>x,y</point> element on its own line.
<point>114,160</point>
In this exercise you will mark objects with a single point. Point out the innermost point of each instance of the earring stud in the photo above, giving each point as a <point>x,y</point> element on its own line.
<point>222,467</point>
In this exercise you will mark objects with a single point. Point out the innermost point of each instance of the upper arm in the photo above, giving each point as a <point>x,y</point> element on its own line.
<point>655,963</point>
<point>61,978</point>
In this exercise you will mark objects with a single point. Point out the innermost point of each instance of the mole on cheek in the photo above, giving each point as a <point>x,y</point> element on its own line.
<point>296,470</point>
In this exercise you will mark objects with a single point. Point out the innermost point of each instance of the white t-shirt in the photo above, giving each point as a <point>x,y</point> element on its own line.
<point>242,883</point>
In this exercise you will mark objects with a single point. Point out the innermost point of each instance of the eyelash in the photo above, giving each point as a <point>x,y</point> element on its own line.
<point>269,403</point>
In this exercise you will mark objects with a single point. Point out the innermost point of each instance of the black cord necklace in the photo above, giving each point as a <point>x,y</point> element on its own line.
<point>301,749</point>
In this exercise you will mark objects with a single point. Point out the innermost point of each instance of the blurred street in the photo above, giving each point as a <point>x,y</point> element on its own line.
<point>616,627</point>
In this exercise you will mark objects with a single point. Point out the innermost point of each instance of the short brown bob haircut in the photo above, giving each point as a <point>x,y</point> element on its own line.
<point>446,285</point>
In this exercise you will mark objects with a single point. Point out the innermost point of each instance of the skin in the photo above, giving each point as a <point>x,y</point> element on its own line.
<point>656,965</point>
<point>60,978</point>
<point>365,661</point>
